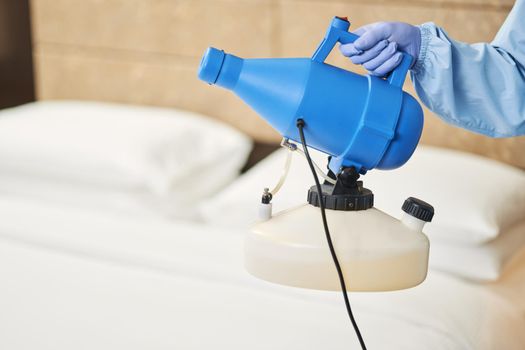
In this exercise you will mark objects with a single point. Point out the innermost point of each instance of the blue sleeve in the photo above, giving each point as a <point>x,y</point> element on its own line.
<point>480,87</point>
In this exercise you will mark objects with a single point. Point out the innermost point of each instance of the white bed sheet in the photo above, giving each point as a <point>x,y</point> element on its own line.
<point>82,280</point>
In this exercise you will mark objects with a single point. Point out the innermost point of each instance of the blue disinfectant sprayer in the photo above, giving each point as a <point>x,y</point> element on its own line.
<point>362,122</point>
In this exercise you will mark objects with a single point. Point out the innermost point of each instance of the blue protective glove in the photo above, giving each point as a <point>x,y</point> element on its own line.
<point>379,44</point>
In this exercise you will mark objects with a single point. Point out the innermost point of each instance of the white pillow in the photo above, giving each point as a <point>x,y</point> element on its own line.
<point>146,150</point>
<point>475,198</point>
<point>484,262</point>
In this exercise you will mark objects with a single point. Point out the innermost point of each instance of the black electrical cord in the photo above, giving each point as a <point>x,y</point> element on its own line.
<point>300,125</point>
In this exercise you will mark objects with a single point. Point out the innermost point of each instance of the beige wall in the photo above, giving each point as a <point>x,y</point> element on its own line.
<point>148,51</point>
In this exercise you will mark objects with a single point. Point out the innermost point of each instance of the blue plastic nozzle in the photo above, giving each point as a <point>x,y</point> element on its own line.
<point>211,65</point>
<point>220,68</point>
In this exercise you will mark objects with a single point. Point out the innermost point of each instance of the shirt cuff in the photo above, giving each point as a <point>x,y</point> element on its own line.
<point>426,37</point>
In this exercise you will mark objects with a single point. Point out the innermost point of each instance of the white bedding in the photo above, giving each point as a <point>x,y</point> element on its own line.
<point>115,157</point>
<point>75,279</point>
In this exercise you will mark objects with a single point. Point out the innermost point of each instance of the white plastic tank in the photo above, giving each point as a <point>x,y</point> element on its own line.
<point>376,251</point>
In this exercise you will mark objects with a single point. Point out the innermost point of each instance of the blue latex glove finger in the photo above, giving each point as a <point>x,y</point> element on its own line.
<point>389,65</point>
<point>407,37</point>
<point>349,50</point>
<point>372,34</point>
<point>362,30</point>
<point>384,56</point>
<point>370,53</point>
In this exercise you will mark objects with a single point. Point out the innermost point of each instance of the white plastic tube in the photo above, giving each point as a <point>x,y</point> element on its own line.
<point>292,147</point>
<point>284,173</point>
<point>319,171</point>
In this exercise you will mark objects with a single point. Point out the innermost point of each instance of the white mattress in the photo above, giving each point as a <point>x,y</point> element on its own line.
<point>82,280</point>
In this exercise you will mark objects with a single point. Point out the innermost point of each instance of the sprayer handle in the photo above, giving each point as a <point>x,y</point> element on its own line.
<point>338,33</point>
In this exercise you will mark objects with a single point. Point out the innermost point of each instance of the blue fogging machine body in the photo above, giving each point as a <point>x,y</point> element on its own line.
<point>364,122</point>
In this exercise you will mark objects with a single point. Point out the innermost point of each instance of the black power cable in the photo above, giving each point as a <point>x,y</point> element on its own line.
<point>300,125</point>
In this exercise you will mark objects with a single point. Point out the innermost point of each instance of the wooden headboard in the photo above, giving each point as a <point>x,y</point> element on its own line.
<point>148,51</point>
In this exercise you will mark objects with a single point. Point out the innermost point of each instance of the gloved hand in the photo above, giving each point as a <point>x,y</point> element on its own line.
<point>379,44</point>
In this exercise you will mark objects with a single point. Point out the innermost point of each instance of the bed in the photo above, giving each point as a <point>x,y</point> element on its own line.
<point>81,280</point>
<point>84,272</point>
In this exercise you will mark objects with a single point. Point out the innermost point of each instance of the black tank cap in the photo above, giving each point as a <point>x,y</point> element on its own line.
<point>362,200</point>
<point>419,209</point>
